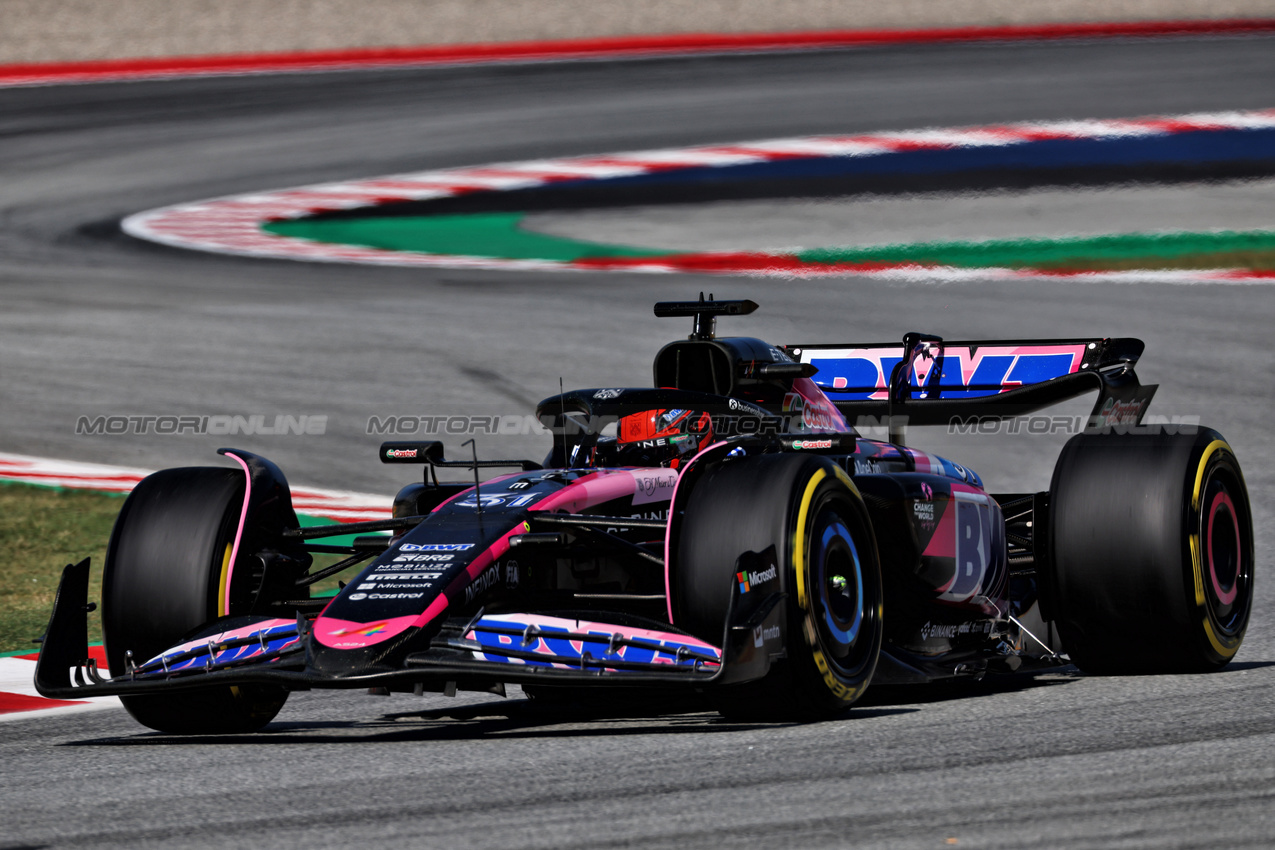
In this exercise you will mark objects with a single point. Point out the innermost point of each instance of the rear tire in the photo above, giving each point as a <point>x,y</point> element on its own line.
<point>165,568</point>
<point>1152,552</point>
<point>803,515</point>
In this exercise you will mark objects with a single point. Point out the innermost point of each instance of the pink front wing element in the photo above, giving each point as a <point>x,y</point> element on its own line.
<point>347,634</point>
<point>234,653</point>
<point>230,635</point>
<point>243,519</point>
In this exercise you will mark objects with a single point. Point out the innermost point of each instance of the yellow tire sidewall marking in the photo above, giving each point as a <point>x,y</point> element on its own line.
<point>1196,571</point>
<point>1216,445</point>
<point>1222,646</point>
<point>1219,647</point>
<point>800,553</point>
<point>221,584</point>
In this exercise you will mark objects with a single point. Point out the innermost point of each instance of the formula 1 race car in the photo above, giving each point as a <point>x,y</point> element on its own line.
<point>725,530</point>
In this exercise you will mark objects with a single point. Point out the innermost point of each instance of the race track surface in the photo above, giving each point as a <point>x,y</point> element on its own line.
<point>95,323</point>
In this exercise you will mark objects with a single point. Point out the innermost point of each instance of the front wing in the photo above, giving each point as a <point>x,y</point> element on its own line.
<point>474,654</point>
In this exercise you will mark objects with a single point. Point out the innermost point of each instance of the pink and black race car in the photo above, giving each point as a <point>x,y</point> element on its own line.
<point>725,530</point>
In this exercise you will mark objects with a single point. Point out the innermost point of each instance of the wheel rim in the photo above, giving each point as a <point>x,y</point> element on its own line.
<point>842,602</point>
<point>1225,552</point>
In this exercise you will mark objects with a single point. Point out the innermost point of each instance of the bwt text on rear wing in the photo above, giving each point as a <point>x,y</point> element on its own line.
<point>926,380</point>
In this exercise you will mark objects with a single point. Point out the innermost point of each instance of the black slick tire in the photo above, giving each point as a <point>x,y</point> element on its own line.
<point>1151,552</point>
<point>803,516</point>
<point>164,578</point>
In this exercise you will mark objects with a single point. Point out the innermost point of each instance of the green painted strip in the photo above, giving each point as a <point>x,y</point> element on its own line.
<point>1131,250</point>
<point>472,235</point>
<point>500,235</point>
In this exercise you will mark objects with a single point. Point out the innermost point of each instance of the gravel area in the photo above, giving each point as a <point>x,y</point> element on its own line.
<point>69,30</point>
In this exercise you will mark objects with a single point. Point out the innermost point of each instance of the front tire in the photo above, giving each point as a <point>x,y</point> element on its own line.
<point>1152,552</point>
<point>804,516</point>
<point>165,576</point>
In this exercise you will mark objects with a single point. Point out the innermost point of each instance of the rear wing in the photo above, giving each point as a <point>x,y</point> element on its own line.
<point>926,380</point>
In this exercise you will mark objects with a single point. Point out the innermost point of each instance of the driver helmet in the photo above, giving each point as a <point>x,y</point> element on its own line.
<point>662,437</point>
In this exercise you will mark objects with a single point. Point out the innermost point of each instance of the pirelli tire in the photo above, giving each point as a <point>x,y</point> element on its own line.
<point>166,573</point>
<point>1151,552</point>
<point>802,516</point>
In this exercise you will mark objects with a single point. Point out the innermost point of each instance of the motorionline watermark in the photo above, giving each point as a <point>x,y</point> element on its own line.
<point>728,425</point>
<point>508,425</point>
<point>257,424</point>
<point>1042,425</point>
<point>575,425</point>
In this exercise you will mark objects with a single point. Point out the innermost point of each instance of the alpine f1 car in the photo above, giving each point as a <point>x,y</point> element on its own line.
<point>725,530</point>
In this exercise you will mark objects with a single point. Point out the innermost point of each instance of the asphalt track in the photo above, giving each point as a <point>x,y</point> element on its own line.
<point>94,323</point>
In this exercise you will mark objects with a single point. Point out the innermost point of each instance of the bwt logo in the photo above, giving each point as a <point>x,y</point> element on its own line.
<point>865,372</point>
<point>435,547</point>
